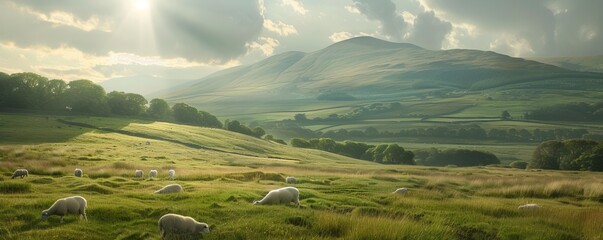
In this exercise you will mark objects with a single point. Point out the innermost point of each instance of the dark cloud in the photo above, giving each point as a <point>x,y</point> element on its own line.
<point>383,11</point>
<point>429,31</point>
<point>201,30</point>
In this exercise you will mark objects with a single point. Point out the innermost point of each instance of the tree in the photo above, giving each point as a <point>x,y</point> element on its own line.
<point>159,109</point>
<point>126,103</point>
<point>519,164</point>
<point>573,149</point>
<point>547,155</point>
<point>300,117</point>
<point>186,114</point>
<point>86,97</point>
<point>258,132</point>
<point>300,143</point>
<point>505,115</point>
<point>55,93</point>
<point>395,154</point>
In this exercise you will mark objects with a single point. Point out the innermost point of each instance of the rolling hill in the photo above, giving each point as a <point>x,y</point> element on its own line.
<point>371,69</point>
<point>222,173</point>
<point>587,64</point>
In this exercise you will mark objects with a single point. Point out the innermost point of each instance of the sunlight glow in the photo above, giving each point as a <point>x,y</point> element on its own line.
<point>141,5</point>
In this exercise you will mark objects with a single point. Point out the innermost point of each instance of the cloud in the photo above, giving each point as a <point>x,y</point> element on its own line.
<point>527,28</point>
<point>265,44</point>
<point>340,36</point>
<point>429,31</point>
<point>196,30</point>
<point>384,11</point>
<point>70,63</point>
<point>281,28</point>
<point>297,6</point>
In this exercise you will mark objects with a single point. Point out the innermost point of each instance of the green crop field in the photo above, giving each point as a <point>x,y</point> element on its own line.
<point>223,173</point>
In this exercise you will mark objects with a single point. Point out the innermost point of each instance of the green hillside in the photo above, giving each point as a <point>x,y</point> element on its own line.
<point>223,173</point>
<point>370,69</point>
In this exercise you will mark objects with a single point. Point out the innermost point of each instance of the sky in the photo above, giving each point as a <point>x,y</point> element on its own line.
<point>189,39</point>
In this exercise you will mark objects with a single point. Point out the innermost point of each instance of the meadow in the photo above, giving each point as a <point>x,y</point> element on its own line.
<point>223,173</point>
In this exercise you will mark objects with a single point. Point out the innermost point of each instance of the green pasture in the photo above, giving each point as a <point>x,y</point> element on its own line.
<point>341,198</point>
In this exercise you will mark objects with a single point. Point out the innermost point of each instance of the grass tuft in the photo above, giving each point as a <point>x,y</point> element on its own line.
<point>14,187</point>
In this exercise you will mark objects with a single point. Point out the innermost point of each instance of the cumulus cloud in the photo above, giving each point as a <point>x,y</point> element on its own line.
<point>340,36</point>
<point>296,5</point>
<point>429,31</point>
<point>197,30</point>
<point>384,11</point>
<point>265,44</point>
<point>279,27</point>
<point>528,28</point>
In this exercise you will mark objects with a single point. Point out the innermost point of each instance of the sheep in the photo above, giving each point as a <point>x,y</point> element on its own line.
<point>20,173</point>
<point>172,188</point>
<point>177,224</point>
<point>153,173</point>
<point>171,174</point>
<point>78,172</point>
<point>284,195</point>
<point>291,180</point>
<point>139,173</point>
<point>529,206</point>
<point>75,205</point>
<point>401,191</point>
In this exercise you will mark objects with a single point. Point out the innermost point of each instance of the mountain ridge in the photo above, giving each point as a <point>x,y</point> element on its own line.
<point>367,67</point>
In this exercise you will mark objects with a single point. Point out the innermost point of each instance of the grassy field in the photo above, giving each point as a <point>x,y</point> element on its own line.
<point>223,173</point>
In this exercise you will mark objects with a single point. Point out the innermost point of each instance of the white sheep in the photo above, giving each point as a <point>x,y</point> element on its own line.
<point>153,173</point>
<point>401,191</point>
<point>75,205</point>
<point>20,173</point>
<point>284,195</point>
<point>171,174</point>
<point>529,206</point>
<point>177,224</point>
<point>172,188</point>
<point>139,173</point>
<point>291,180</point>
<point>78,172</point>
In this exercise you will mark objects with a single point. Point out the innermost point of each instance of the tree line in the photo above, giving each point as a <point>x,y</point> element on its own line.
<point>383,153</point>
<point>456,157</point>
<point>579,111</point>
<point>34,92</point>
<point>574,154</point>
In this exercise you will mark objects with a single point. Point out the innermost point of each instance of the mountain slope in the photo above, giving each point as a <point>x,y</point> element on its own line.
<point>587,64</point>
<point>368,67</point>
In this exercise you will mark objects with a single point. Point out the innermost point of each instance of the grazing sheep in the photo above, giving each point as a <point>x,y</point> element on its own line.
<point>177,224</point>
<point>171,174</point>
<point>139,173</point>
<point>291,180</point>
<point>153,173</point>
<point>284,195</point>
<point>529,206</point>
<point>172,188</point>
<point>401,191</point>
<point>20,173</point>
<point>78,172</point>
<point>75,205</point>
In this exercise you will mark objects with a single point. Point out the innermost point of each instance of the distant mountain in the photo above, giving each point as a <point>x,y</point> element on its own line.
<point>143,85</point>
<point>585,64</point>
<point>369,68</point>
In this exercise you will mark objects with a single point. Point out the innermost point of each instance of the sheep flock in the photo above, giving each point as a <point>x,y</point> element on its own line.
<point>175,225</point>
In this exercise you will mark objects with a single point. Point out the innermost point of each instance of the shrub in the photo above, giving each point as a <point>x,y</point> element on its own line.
<point>519,164</point>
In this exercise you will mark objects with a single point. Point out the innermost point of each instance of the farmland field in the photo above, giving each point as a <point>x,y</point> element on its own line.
<point>224,172</point>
